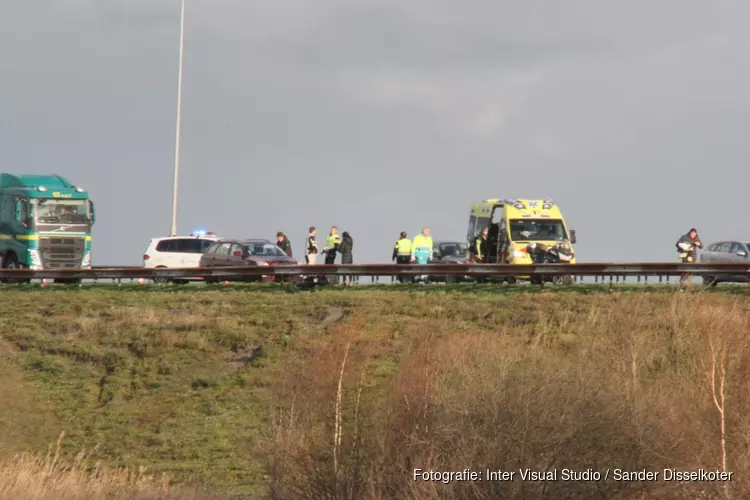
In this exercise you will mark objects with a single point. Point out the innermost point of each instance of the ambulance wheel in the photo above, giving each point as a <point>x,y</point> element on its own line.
<point>562,280</point>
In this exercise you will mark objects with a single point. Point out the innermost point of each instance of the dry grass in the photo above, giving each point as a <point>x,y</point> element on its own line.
<point>357,388</point>
<point>30,477</point>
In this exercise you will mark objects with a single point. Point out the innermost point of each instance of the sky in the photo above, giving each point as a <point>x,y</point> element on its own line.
<point>382,117</point>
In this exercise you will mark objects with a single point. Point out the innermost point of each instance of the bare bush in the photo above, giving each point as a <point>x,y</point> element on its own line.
<point>619,385</point>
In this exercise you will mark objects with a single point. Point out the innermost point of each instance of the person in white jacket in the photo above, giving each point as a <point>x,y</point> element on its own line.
<point>311,247</point>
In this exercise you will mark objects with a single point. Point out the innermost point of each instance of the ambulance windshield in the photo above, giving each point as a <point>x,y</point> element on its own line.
<point>537,230</point>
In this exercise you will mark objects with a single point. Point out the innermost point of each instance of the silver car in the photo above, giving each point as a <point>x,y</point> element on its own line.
<point>726,251</point>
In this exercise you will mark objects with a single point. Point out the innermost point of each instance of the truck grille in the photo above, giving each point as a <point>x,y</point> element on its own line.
<point>61,252</point>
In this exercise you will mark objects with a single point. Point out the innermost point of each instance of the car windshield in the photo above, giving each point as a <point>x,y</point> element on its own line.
<point>537,230</point>
<point>459,249</point>
<point>264,250</point>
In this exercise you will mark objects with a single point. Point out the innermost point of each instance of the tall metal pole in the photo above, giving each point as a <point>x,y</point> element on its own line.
<point>173,232</point>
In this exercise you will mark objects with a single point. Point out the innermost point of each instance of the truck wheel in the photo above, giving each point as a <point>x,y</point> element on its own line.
<point>65,281</point>
<point>11,262</point>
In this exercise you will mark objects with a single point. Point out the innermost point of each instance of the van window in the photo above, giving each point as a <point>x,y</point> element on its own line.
<point>193,245</point>
<point>166,246</point>
<point>183,245</point>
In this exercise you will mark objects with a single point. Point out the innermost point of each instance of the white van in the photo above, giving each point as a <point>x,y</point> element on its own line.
<point>177,251</point>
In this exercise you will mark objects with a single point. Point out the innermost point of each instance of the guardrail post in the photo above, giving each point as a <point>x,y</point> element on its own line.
<point>611,282</point>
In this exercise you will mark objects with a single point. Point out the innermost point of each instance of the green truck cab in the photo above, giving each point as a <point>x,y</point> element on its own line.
<point>45,223</point>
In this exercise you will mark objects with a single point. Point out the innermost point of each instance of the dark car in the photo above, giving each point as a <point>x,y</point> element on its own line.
<point>254,252</point>
<point>726,251</point>
<point>449,252</point>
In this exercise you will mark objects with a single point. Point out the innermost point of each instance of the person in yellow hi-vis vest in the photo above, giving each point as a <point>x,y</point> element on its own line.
<point>421,249</point>
<point>402,252</point>
<point>332,245</point>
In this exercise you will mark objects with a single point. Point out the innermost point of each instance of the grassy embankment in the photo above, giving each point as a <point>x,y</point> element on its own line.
<point>355,388</point>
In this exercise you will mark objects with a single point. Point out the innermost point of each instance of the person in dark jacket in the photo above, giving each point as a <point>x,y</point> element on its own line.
<point>283,242</point>
<point>345,249</point>
<point>688,246</point>
<point>478,250</point>
<point>311,250</point>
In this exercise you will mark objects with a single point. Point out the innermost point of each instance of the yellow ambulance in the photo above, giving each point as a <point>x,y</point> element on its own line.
<point>516,225</point>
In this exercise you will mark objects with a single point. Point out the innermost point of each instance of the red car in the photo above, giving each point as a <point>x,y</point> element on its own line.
<point>227,253</point>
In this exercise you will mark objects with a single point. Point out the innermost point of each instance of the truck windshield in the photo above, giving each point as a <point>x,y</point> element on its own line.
<point>537,230</point>
<point>56,211</point>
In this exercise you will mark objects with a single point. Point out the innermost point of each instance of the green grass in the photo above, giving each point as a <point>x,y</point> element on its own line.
<point>146,373</point>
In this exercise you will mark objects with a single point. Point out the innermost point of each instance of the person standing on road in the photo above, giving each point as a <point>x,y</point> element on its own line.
<point>311,249</point>
<point>283,242</point>
<point>402,252</point>
<point>688,246</point>
<point>479,246</point>
<point>332,244</point>
<point>421,250</point>
<point>346,250</point>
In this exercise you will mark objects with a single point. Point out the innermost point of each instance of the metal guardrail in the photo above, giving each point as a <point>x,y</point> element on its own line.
<point>376,270</point>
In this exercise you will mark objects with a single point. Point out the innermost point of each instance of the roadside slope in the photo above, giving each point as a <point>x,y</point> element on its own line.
<point>501,380</point>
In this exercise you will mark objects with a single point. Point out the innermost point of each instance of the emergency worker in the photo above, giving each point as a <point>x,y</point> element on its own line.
<point>421,250</point>
<point>687,246</point>
<point>332,245</point>
<point>478,249</point>
<point>402,252</point>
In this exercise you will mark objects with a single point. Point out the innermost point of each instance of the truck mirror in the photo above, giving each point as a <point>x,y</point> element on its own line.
<point>573,236</point>
<point>91,211</point>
